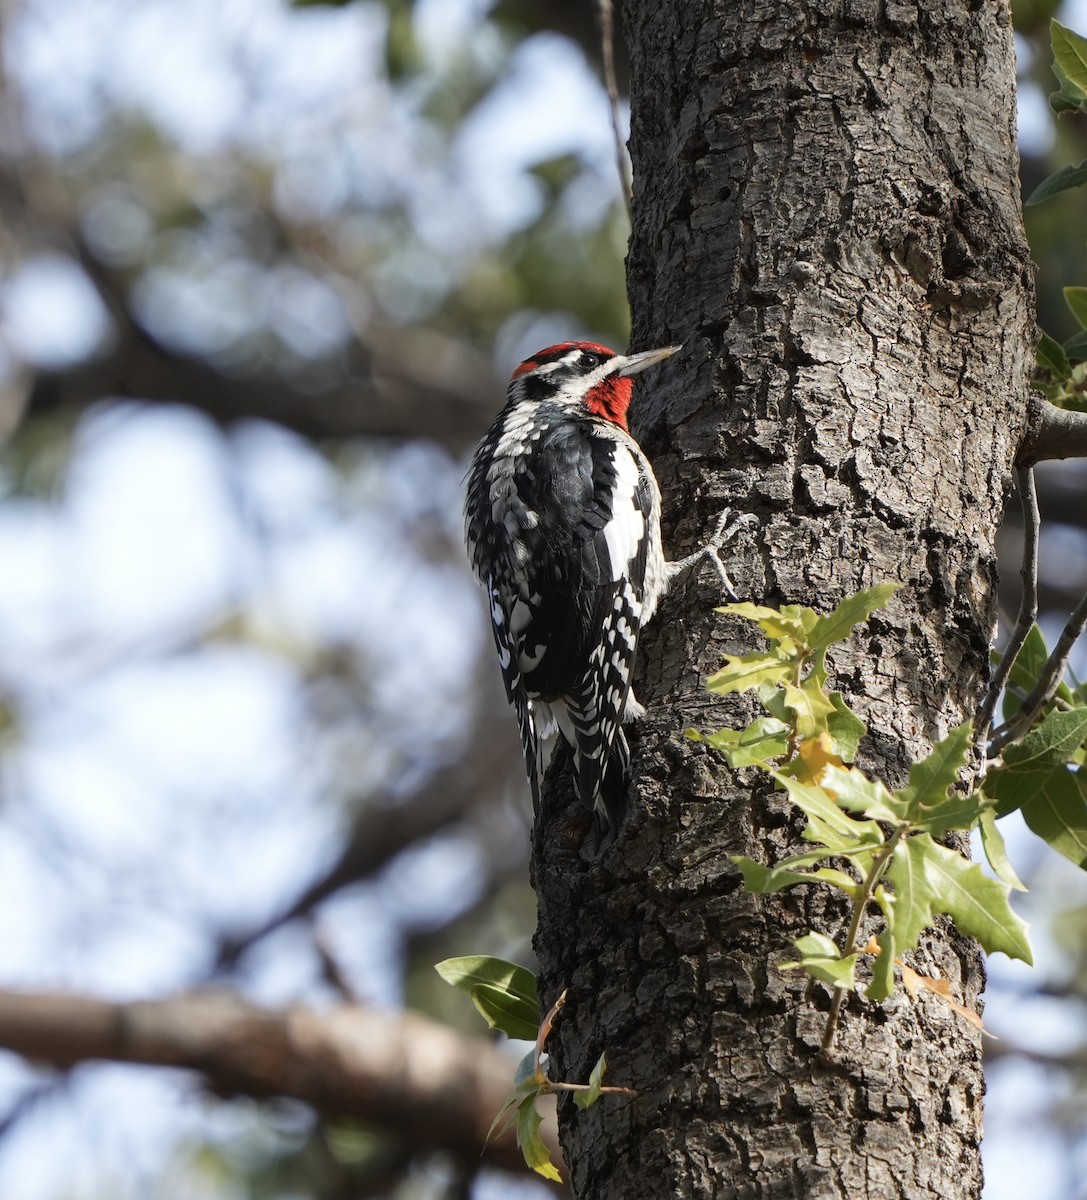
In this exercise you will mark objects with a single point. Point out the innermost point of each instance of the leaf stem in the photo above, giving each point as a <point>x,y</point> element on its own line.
<point>875,872</point>
<point>551,1085</point>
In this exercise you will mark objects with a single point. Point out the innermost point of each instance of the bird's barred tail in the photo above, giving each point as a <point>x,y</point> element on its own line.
<point>601,755</point>
<point>611,803</point>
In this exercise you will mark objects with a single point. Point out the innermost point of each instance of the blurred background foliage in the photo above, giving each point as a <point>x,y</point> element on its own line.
<point>264,269</point>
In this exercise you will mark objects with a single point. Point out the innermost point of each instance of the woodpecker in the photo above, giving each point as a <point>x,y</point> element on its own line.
<point>562,525</point>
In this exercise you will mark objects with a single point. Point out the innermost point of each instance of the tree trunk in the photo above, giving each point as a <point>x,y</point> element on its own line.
<point>827,215</point>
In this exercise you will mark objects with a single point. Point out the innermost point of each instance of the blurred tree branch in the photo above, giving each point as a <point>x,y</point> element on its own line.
<point>384,829</point>
<point>431,1086</point>
<point>404,383</point>
<point>417,384</point>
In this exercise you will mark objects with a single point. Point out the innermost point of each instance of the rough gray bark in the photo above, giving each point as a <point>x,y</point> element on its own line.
<point>826,214</point>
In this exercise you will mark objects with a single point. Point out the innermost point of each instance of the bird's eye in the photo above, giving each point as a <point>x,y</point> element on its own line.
<point>588,360</point>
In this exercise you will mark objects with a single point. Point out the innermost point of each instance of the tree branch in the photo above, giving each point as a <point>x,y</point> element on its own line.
<point>1028,605</point>
<point>1052,432</point>
<point>417,385</point>
<point>386,828</point>
<point>1048,682</point>
<point>432,1087</point>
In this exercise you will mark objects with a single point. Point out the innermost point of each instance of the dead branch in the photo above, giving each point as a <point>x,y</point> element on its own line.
<point>433,1087</point>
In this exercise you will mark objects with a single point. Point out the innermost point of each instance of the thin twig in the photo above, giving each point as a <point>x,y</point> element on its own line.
<point>1048,682</point>
<point>605,1089</point>
<point>1028,603</point>
<point>875,874</point>
<point>606,16</point>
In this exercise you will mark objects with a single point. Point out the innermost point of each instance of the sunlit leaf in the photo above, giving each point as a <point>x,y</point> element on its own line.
<point>836,626</point>
<point>745,671</point>
<point>992,843</point>
<point>1069,66</point>
<point>821,958</point>
<point>503,992</point>
<point>834,827</point>
<point>532,1147</point>
<point>845,727</point>
<point>764,739</point>
<point>810,708</point>
<point>853,790</point>
<point>937,771</point>
<point>591,1094</point>
<point>791,622</point>
<point>930,879</point>
<point>766,880</point>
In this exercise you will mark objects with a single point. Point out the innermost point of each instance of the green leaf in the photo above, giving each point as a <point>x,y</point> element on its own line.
<point>1026,671</point>
<point>745,671</point>
<point>791,622</point>
<point>836,626</point>
<point>810,707</point>
<point>925,800</point>
<point>1050,355</point>
<point>956,812</point>
<point>1069,65</point>
<point>883,968</point>
<point>853,790</point>
<point>764,739</point>
<point>930,879</point>
<point>531,1144</point>
<point>591,1094</point>
<point>1076,299</point>
<point>526,1070</point>
<point>845,728</point>
<point>1012,788</point>
<point>1058,814</point>
<point>503,992</point>
<point>817,944</point>
<point>937,771</point>
<point>1076,346</point>
<point>829,824</point>
<point>1051,743</point>
<point>1068,98</point>
<point>1059,181</point>
<point>766,880</point>
<point>525,1092</point>
<point>820,957</point>
<point>996,854</point>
